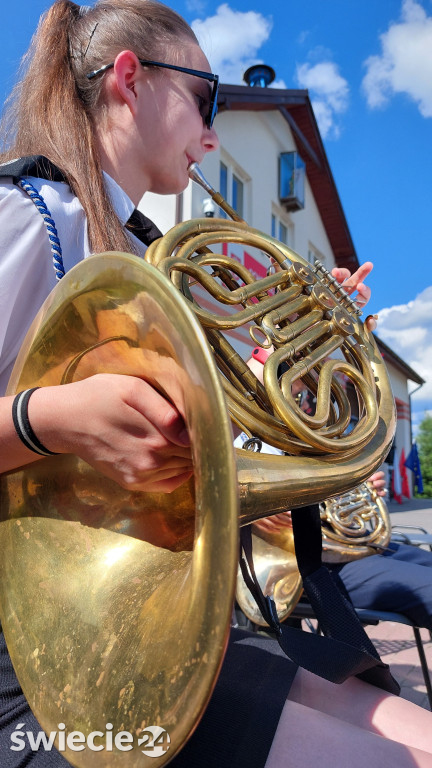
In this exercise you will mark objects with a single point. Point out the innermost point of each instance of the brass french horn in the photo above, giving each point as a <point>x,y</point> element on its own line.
<point>354,524</point>
<point>115,604</point>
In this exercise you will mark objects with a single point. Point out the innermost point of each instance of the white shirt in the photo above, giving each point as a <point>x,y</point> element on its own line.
<point>26,265</point>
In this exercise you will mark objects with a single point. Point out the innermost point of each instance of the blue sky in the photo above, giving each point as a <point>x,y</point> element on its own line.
<point>368,68</point>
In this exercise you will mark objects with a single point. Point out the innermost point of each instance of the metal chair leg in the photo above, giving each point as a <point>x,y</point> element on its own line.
<point>423,663</point>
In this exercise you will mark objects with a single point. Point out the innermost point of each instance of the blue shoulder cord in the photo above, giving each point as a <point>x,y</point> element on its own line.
<point>40,204</point>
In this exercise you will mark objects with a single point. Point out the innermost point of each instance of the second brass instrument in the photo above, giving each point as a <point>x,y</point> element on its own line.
<point>354,524</point>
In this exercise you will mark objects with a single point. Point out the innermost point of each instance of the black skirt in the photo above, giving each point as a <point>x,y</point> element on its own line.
<point>236,730</point>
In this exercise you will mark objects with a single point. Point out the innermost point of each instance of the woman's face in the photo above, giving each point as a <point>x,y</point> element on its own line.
<point>172,133</point>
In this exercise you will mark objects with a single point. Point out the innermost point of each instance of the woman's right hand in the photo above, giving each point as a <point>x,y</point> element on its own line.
<point>275,523</point>
<point>120,425</point>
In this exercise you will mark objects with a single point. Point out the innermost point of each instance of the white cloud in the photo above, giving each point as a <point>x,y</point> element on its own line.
<point>231,40</point>
<point>405,62</point>
<point>325,119</point>
<point>329,93</point>
<point>196,6</point>
<point>303,36</point>
<point>407,329</point>
<point>278,84</point>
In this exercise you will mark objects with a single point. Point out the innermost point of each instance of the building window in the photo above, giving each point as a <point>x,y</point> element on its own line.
<point>223,180</point>
<point>232,188</point>
<point>283,233</point>
<point>223,187</point>
<point>237,195</point>
<point>282,230</point>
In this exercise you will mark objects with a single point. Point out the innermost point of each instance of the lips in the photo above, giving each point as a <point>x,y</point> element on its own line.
<point>191,160</point>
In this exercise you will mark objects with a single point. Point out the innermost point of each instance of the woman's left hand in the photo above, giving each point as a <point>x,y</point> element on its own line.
<point>377,480</point>
<point>355,282</point>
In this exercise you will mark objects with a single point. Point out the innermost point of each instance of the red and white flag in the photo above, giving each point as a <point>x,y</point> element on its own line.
<point>404,476</point>
<point>396,479</point>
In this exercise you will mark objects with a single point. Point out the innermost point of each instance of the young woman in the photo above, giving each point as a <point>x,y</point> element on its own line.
<point>118,127</point>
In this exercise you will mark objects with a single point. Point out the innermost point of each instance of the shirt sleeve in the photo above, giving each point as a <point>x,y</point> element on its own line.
<point>26,272</point>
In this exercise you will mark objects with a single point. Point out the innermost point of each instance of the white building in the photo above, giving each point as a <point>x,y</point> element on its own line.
<point>262,131</point>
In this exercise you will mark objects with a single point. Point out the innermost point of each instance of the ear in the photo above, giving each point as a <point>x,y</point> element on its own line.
<point>127,70</point>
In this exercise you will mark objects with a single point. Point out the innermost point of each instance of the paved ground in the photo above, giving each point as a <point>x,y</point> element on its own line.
<point>395,642</point>
<point>412,512</point>
<point>396,645</point>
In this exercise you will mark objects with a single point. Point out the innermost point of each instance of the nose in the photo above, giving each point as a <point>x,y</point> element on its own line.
<point>210,139</point>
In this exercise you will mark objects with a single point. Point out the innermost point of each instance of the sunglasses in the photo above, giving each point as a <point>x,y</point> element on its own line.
<point>212,110</point>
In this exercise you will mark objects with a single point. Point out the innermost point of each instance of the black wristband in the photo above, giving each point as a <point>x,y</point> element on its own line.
<point>22,424</point>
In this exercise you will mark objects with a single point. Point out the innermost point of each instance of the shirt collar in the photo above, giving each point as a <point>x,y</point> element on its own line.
<point>122,204</point>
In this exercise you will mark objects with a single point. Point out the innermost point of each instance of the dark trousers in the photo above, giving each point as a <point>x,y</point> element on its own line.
<point>15,711</point>
<point>237,728</point>
<point>399,580</point>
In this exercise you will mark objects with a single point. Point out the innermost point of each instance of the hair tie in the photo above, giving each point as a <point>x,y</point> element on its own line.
<point>22,424</point>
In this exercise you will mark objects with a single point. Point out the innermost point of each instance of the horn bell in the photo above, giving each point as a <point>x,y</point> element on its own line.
<point>116,604</point>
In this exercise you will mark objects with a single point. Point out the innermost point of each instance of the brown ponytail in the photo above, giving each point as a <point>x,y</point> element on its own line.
<point>52,109</point>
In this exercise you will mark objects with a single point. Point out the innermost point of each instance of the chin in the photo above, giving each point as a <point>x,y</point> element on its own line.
<point>178,181</point>
<point>170,186</point>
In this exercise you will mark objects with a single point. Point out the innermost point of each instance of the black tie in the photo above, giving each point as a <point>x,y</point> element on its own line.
<point>143,228</point>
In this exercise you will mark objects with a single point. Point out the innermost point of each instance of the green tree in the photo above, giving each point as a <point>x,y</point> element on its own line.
<point>424,441</point>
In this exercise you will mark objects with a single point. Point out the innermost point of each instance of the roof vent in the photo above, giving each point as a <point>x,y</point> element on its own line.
<point>260,75</point>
